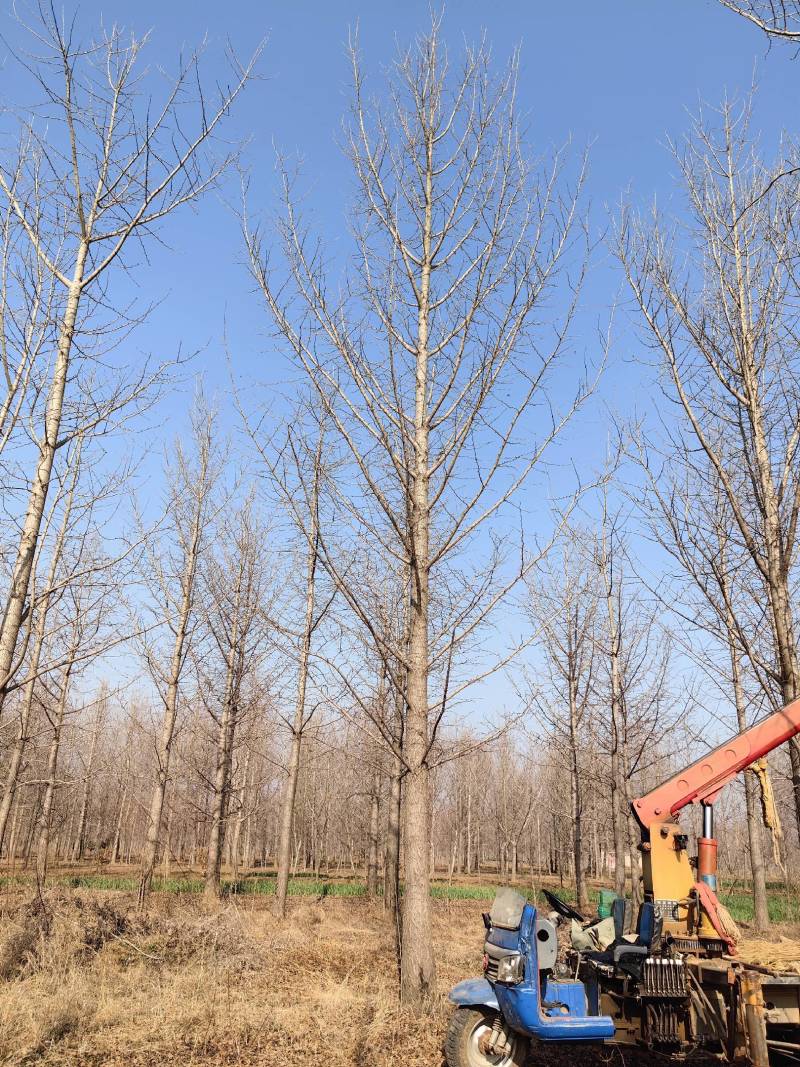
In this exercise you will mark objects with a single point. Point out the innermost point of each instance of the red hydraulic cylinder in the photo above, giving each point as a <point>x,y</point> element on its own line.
<point>707,861</point>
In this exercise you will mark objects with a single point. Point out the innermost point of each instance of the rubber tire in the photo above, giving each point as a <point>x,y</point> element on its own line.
<point>463,1023</point>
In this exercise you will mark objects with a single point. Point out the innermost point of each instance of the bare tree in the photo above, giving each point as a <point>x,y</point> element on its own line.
<point>87,616</point>
<point>721,314</point>
<point>637,706</point>
<point>779,19</point>
<point>514,798</point>
<point>174,567</point>
<point>103,167</point>
<point>124,789</point>
<point>70,551</point>
<point>235,592</point>
<point>565,603</point>
<point>718,594</point>
<point>374,827</point>
<point>43,601</point>
<point>607,560</point>
<point>101,711</point>
<point>433,367</point>
<point>296,472</point>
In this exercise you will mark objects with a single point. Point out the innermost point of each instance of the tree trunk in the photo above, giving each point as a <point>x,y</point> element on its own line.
<point>240,818</point>
<point>757,867</point>
<point>618,814</point>
<point>298,726</point>
<point>164,750</point>
<point>12,841</point>
<point>80,837</point>
<point>222,775</point>
<point>417,963</point>
<point>391,855</point>
<point>45,815</point>
<point>21,739</point>
<point>468,835</point>
<point>374,815</point>
<point>581,899</point>
<point>118,828</point>
<point>216,841</point>
<point>14,613</point>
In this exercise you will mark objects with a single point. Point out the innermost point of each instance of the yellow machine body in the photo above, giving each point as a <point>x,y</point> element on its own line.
<point>669,881</point>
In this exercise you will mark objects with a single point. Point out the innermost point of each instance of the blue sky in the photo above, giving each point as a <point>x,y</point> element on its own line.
<point>620,76</point>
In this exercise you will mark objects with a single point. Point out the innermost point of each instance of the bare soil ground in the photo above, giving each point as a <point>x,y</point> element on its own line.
<point>86,980</point>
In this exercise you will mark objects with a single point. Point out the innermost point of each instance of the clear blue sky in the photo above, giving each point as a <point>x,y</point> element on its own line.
<point>621,75</point>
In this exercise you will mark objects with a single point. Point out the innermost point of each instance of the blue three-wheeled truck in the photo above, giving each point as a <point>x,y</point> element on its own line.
<point>669,979</point>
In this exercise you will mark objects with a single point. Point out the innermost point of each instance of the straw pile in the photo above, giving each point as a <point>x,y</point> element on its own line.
<point>781,955</point>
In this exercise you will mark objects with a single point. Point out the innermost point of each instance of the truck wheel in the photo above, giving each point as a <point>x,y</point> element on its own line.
<point>469,1027</point>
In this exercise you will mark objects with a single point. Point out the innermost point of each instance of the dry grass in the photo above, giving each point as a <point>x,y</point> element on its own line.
<point>94,983</point>
<point>781,955</point>
<point>86,980</point>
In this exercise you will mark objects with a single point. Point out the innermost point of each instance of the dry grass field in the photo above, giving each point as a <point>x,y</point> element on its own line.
<point>89,981</point>
<point>92,982</point>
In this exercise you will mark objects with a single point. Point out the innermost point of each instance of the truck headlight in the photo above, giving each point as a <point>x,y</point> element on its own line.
<point>511,969</point>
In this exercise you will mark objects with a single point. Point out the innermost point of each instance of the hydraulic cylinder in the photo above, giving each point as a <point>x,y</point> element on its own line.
<point>707,850</point>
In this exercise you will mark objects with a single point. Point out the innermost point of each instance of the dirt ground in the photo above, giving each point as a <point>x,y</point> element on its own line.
<point>89,981</point>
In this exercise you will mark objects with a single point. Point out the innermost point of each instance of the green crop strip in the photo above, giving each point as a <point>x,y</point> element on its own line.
<point>783,907</point>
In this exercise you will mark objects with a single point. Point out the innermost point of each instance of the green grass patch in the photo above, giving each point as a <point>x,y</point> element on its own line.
<point>462,892</point>
<point>255,886</point>
<point>298,887</point>
<point>782,907</point>
<point>126,883</point>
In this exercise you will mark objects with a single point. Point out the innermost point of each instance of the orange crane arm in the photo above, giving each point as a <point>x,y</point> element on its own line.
<point>703,780</point>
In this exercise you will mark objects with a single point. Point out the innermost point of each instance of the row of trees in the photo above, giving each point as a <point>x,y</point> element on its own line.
<point>411,554</point>
<point>501,812</point>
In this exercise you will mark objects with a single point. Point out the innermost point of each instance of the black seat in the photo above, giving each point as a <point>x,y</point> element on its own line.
<point>629,956</point>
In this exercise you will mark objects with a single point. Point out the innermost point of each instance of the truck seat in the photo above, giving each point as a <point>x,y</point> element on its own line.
<point>629,956</point>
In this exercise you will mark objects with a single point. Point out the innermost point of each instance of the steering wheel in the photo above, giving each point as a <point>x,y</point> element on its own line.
<point>561,906</point>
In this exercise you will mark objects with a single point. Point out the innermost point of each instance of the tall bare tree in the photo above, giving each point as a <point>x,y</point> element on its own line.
<point>89,769</point>
<point>88,621</point>
<point>565,604</point>
<point>638,706</point>
<point>302,714</point>
<point>236,604</point>
<point>433,365</point>
<point>717,593</point>
<point>608,562</point>
<point>43,596</point>
<point>174,570</point>
<point>296,471</point>
<point>720,311</point>
<point>98,166</point>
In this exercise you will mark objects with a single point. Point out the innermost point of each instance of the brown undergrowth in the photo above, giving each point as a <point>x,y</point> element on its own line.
<point>86,980</point>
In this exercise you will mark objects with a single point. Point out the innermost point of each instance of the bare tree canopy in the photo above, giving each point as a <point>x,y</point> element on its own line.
<point>98,165</point>
<point>433,363</point>
<point>720,311</point>
<point>779,19</point>
<point>440,566</point>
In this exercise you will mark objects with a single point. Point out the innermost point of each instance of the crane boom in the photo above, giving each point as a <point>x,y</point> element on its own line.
<point>703,779</point>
